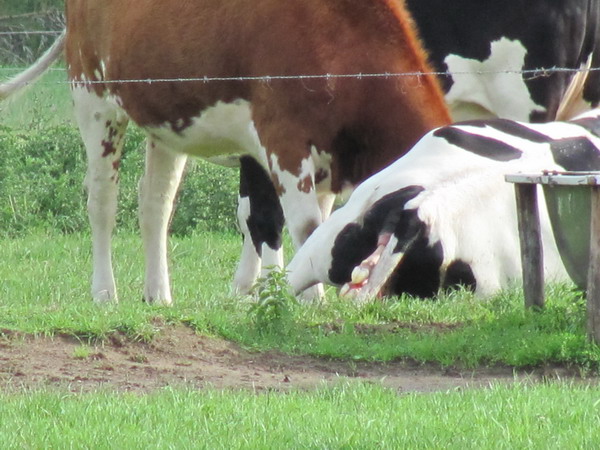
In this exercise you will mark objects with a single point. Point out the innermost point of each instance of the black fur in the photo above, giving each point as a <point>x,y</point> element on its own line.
<point>479,145</point>
<point>355,242</point>
<point>419,272</point>
<point>459,273</point>
<point>576,154</point>
<point>591,124</point>
<point>554,33</point>
<point>266,215</point>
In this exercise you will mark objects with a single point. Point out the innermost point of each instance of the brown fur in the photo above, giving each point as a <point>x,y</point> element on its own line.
<point>365,123</point>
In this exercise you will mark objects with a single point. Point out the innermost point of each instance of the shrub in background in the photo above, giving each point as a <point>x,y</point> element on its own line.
<point>18,16</point>
<point>41,185</point>
<point>9,7</point>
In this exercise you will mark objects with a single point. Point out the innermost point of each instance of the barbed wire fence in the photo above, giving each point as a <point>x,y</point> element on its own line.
<point>19,47</point>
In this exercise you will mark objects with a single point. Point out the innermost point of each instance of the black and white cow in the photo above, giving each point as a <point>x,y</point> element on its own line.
<point>443,215</point>
<point>485,43</point>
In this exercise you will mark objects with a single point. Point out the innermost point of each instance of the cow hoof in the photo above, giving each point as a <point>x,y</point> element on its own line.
<point>104,297</point>
<point>312,294</point>
<point>157,300</point>
<point>241,290</point>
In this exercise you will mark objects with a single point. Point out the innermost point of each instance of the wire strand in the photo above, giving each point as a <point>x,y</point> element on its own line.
<point>530,73</point>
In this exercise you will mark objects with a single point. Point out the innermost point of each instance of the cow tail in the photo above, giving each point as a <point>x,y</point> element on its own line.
<point>31,74</point>
<point>572,103</point>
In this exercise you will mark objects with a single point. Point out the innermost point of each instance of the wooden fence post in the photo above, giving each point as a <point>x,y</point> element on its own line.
<point>593,287</point>
<point>532,260</point>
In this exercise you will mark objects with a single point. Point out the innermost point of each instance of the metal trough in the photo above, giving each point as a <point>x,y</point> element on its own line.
<point>573,202</point>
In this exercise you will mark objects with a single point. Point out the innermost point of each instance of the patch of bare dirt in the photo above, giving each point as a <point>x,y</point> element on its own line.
<point>180,357</point>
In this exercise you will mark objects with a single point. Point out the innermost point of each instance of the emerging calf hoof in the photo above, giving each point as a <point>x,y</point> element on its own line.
<point>360,275</point>
<point>359,278</point>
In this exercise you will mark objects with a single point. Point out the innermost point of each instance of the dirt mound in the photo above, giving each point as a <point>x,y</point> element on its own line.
<point>178,356</point>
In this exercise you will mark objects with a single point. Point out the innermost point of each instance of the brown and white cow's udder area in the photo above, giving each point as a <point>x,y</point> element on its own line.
<point>222,129</point>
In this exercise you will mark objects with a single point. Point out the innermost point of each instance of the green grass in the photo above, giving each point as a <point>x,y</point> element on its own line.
<point>46,103</point>
<point>347,416</point>
<point>46,282</point>
<point>44,289</point>
<point>43,166</point>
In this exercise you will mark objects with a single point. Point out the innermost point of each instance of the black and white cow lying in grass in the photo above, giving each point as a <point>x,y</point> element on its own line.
<point>443,215</point>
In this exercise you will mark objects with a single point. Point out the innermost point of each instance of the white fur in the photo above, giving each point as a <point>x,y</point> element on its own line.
<point>301,209</point>
<point>222,129</point>
<point>466,204</point>
<point>251,263</point>
<point>158,188</point>
<point>36,70</point>
<point>485,90</point>
<point>91,114</point>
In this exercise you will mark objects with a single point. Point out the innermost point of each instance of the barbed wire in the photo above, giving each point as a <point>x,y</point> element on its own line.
<point>528,73</point>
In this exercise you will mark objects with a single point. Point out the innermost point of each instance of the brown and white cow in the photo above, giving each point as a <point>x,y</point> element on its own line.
<point>312,135</point>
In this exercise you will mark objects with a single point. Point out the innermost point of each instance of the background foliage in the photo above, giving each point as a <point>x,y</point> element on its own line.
<point>42,185</point>
<point>12,7</point>
<point>27,15</point>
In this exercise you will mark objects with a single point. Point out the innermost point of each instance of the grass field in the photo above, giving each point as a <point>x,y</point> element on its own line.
<point>44,290</point>
<point>348,416</point>
<point>47,103</point>
<point>456,329</point>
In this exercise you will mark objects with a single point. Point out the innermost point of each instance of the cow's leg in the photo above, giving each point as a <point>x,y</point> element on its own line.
<point>300,204</point>
<point>158,188</point>
<point>261,223</point>
<point>249,264</point>
<point>326,201</point>
<point>102,130</point>
<point>298,198</point>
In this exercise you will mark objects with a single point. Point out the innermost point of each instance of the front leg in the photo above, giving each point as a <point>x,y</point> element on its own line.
<point>158,188</point>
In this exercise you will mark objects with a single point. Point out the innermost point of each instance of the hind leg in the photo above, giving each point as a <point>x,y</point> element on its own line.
<point>301,206</point>
<point>102,129</point>
<point>261,223</point>
<point>249,264</point>
<point>158,188</point>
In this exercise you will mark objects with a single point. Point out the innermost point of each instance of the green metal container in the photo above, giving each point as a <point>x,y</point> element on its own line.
<point>568,201</point>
